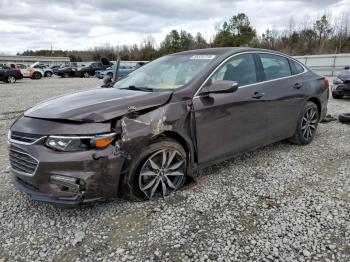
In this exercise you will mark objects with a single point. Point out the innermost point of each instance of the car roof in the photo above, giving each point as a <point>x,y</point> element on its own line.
<point>225,51</point>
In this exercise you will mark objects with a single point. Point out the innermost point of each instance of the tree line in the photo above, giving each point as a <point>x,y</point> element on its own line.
<point>319,36</point>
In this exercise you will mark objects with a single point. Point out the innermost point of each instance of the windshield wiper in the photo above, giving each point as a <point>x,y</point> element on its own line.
<point>141,88</point>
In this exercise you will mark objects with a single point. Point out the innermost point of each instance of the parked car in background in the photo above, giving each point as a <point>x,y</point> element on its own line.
<point>48,72</point>
<point>55,68</point>
<point>27,71</point>
<point>150,131</point>
<point>341,84</point>
<point>9,75</point>
<point>123,71</point>
<point>91,69</point>
<point>67,71</point>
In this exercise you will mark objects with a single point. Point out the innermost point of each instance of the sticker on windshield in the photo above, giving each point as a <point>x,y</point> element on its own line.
<point>204,57</point>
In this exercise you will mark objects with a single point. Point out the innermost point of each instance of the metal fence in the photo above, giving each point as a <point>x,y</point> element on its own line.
<point>327,65</point>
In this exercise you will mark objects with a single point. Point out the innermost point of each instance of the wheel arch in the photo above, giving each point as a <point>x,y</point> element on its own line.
<point>317,102</point>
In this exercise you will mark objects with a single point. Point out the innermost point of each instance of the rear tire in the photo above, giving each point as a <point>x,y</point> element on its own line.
<point>36,76</point>
<point>11,80</point>
<point>337,96</point>
<point>151,170</point>
<point>307,125</point>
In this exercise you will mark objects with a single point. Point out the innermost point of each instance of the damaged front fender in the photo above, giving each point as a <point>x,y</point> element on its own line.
<point>139,129</point>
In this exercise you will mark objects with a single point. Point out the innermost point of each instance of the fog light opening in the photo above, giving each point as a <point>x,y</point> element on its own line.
<point>67,183</point>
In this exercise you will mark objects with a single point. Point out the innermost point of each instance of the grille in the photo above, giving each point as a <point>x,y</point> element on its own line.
<point>24,138</point>
<point>22,162</point>
<point>347,82</point>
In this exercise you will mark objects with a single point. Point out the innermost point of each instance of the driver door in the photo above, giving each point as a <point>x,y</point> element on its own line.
<point>232,122</point>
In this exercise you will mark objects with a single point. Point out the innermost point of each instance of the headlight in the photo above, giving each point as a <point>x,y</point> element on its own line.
<point>79,143</point>
<point>337,81</point>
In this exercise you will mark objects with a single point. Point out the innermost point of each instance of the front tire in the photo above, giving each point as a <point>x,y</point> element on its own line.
<point>156,171</point>
<point>307,125</point>
<point>48,74</point>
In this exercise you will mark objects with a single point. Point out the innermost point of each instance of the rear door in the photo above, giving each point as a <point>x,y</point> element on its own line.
<point>232,122</point>
<point>284,95</point>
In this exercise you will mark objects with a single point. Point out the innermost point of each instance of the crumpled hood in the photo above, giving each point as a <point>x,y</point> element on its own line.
<point>97,105</point>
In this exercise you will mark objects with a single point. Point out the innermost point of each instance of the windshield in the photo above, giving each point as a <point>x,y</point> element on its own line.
<point>166,73</point>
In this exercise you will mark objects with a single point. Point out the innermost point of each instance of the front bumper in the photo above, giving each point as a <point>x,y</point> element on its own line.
<point>341,89</point>
<point>96,172</point>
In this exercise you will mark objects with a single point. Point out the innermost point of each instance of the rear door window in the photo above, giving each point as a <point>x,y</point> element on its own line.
<point>275,66</point>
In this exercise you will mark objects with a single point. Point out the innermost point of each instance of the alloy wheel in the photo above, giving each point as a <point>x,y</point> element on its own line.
<point>162,173</point>
<point>86,75</point>
<point>11,79</point>
<point>309,122</point>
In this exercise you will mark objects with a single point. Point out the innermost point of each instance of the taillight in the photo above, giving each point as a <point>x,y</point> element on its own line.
<point>326,83</point>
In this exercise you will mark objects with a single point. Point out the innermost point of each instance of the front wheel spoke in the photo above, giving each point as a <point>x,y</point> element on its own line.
<point>170,183</point>
<point>148,173</point>
<point>176,165</point>
<point>309,132</point>
<point>303,127</point>
<point>304,132</point>
<point>313,127</point>
<point>163,158</point>
<point>304,119</point>
<point>154,188</point>
<point>171,157</point>
<point>313,112</point>
<point>149,185</point>
<point>176,173</point>
<point>163,188</point>
<point>154,165</point>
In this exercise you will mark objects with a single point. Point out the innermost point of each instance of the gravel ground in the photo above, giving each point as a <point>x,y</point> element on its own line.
<point>280,203</point>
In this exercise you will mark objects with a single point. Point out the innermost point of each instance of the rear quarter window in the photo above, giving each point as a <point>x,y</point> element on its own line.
<point>296,67</point>
<point>275,66</point>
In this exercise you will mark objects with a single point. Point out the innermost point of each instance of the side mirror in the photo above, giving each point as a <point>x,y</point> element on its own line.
<point>347,68</point>
<point>221,87</point>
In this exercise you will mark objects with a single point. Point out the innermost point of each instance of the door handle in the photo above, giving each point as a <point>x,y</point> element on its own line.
<point>298,86</point>
<point>258,95</point>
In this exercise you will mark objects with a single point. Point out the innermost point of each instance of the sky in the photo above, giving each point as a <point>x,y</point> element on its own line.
<point>79,25</point>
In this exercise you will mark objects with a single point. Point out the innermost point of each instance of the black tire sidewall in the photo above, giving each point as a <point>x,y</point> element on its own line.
<point>299,131</point>
<point>344,118</point>
<point>130,184</point>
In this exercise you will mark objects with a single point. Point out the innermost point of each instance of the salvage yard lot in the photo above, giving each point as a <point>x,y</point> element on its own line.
<point>282,202</point>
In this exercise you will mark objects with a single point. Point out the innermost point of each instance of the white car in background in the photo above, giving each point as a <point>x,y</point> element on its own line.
<point>28,71</point>
<point>48,72</point>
